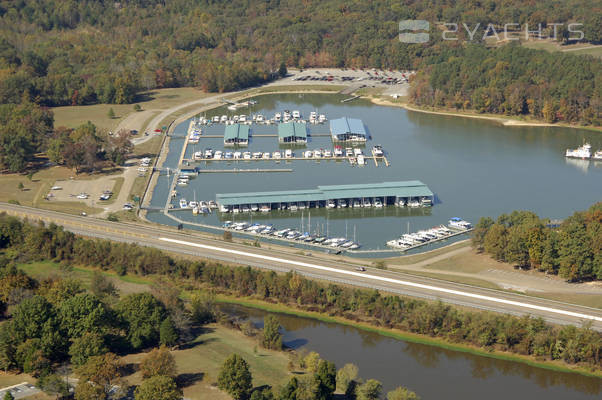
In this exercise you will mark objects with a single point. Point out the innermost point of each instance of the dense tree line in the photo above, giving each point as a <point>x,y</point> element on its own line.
<point>80,52</point>
<point>526,335</point>
<point>513,80</point>
<point>27,129</point>
<point>24,131</point>
<point>572,250</point>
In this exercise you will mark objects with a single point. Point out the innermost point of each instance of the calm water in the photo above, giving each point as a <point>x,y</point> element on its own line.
<point>475,168</point>
<point>432,372</point>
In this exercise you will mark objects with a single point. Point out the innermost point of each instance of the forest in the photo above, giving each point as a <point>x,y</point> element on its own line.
<point>572,250</point>
<point>513,80</point>
<point>22,242</point>
<point>83,52</point>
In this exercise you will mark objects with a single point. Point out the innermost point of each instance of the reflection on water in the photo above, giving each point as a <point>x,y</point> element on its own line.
<point>581,165</point>
<point>433,372</point>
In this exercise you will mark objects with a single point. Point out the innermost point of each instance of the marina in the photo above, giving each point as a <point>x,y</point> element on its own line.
<point>474,168</point>
<point>410,241</point>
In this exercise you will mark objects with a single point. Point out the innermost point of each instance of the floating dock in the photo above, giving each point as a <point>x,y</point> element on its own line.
<point>236,170</point>
<point>329,196</point>
<point>351,160</point>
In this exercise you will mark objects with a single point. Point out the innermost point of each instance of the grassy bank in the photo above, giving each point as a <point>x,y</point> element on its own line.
<point>406,336</point>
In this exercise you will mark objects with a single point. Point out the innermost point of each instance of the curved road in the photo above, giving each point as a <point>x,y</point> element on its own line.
<point>315,267</point>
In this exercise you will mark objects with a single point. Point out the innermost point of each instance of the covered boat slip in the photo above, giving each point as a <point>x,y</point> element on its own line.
<point>348,129</point>
<point>389,193</point>
<point>292,132</point>
<point>236,134</point>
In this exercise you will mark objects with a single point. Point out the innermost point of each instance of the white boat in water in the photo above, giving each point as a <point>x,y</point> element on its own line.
<point>459,223</point>
<point>183,203</point>
<point>597,155</point>
<point>583,152</point>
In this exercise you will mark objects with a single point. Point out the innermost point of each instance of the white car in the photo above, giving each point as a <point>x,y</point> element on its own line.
<point>82,196</point>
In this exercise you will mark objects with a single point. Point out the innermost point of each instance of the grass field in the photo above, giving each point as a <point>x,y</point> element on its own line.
<point>125,284</point>
<point>150,147</point>
<point>470,262</point>
<point>577,49</point>
<point>200,362</point>
<point>411,259</point>
<point>72,116</point>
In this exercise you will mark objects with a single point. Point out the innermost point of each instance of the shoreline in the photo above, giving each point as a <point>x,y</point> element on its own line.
<point>509,122</point>
<point>280,308</point>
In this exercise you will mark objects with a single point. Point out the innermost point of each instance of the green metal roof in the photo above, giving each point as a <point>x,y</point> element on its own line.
<point>292,129</point>
<point>328,192</point>
<point>236,131</point>
<point>384,189</point>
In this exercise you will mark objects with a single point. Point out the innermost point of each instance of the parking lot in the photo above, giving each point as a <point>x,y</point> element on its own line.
<point>392,81</point>
<point>20,391</point>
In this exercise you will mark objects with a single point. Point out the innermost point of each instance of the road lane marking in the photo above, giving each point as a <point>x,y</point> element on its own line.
<point>389,280</point>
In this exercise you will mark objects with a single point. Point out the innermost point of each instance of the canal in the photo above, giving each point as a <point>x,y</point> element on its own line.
<point>475,168</point>
<point>432,372</point>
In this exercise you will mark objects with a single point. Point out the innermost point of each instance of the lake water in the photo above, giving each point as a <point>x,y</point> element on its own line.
<point>432,372</point>
<point>475,168</point>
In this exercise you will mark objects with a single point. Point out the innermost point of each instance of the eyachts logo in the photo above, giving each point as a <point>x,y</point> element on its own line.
<point>414,25</point>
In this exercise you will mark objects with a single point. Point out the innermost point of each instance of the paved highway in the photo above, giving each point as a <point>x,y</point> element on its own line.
<point>324,268</point>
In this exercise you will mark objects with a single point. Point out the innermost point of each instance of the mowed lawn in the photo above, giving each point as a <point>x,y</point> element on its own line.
<point>159,99</point>
<point>199,363</point>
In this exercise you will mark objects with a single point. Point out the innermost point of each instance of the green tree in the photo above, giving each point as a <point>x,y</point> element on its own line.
<point>326,376</point>
<point>308,389</point>
<point>142,314</point>
<point>203,307</point>
<point>111,113</point>
<point>402,393</point>
<point>53,385</point>
<point>88,345</point>
<point>289,392</point>
<point>271,336</point>
<point>137,107</point>
<point>235,377</point>
<point>103,287</point>
<point>263,394</point>
<point>35,318</point>
<point>311,361</point>
<point>159,362</point>
<point>481,229</point>
<point>8,396</point>
<point>371,390</point>
<point>83,313</point>
<point>282,71</point>
<point>495,242</point>
<point>20,186</point>
<point>168,335</point>
<point>158,387</point>
<point>345,375</point>
<point>31,358</point>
